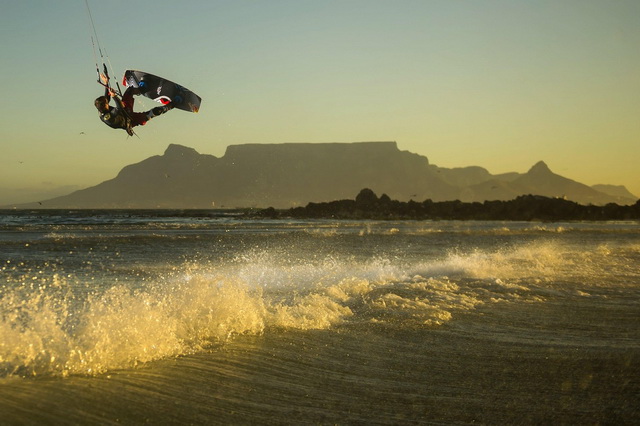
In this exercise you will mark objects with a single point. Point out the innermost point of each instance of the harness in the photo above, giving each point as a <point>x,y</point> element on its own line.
<point>116,119</point>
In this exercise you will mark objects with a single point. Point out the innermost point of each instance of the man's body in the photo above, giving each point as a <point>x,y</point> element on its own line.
<point>122,115</point>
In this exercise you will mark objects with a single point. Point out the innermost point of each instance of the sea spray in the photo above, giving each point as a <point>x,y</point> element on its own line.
<point>57,325</point>
<point>43,334</point>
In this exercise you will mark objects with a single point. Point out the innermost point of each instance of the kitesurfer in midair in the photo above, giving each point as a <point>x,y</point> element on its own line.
<point>122,115</point>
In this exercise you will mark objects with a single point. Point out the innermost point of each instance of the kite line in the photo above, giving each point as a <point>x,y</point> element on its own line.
<point>103,76</point>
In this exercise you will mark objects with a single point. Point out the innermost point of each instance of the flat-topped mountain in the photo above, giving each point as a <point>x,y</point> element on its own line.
<point>294,174</point>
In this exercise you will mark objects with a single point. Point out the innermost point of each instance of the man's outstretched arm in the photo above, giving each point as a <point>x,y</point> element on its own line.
<point>110,93</point>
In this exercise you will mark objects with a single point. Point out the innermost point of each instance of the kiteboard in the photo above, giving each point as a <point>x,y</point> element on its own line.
<point>162,90</point>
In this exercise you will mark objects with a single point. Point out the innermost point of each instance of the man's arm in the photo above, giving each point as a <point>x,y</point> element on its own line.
<point>110,93</point>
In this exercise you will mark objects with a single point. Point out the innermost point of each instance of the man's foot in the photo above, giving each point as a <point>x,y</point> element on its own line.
<point>165,108</point>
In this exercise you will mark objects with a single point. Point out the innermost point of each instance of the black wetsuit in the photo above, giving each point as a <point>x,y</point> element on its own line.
<point>122,116</point>
<point>116,117</point>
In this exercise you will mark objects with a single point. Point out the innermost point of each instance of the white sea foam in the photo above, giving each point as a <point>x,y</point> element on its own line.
<point>48,328</point>
<point>117,328</point>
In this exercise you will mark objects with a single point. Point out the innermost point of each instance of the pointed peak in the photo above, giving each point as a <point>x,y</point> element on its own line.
<point>540,167</point>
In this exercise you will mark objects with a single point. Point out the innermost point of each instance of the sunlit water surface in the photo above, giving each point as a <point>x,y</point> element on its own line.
<point>204,317</point>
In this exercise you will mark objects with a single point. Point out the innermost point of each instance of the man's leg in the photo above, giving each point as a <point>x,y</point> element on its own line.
<point>137,118</point>
<point>158,110</point>
<point>127,98</point>
<point>141,118</point>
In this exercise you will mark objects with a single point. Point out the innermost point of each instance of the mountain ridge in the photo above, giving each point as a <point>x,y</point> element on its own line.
<point>294,174</point>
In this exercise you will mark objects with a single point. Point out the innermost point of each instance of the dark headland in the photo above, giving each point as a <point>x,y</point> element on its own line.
<point>367,205</point>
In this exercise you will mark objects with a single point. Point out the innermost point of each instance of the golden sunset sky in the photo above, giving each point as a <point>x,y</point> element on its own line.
<point>498,84</point>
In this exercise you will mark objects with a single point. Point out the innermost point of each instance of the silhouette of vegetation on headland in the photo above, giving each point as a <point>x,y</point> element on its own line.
<point>367,205</point>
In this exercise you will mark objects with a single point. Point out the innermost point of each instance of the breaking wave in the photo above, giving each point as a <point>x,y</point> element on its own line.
<point>57,325</point>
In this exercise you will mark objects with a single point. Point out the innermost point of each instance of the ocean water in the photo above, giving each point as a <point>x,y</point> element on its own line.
<point>204,317</point>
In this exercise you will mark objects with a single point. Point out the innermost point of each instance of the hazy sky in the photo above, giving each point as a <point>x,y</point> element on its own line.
<point>496,83</point>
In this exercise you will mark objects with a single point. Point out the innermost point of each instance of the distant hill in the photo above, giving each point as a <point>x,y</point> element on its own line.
<point>615,191</point>
<point>540,180</point>
<point>367,205</point>
<point>294,174</point>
